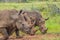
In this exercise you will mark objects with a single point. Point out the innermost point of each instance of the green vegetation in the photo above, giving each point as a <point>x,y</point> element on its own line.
<point>48,9</point>
<point>24,1</point>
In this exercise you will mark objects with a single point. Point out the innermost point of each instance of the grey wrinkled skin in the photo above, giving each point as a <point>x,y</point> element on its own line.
<point>36,19</point>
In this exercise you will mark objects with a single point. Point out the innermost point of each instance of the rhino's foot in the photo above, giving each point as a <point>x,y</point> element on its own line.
<point>19,37</point>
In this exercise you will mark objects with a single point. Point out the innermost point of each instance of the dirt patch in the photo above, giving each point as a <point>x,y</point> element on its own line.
<point>38,37</point>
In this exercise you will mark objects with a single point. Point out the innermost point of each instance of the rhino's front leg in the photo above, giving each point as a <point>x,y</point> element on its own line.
<point>17,33</point>
<point>4,32</point>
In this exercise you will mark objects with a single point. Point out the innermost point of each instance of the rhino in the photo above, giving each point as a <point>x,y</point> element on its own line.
<point>10,21</point>
<point>35,18</point>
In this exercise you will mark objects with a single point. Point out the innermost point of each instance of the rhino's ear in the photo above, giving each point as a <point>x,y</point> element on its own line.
<point>26,17</point>
<point>20,12</point>
<point>47,18</point>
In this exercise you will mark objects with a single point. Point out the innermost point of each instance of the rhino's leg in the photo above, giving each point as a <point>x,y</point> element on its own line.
<point>4,32</point>
<point>17,33</point>
<point>11,30</point>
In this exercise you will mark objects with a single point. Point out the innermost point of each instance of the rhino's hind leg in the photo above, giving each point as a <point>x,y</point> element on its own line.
<point>4,32</point>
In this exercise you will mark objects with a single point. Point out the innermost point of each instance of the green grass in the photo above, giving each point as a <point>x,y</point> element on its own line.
<point>53,24</point>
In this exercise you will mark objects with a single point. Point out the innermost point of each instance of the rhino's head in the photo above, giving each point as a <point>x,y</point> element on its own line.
<point>42,25</point>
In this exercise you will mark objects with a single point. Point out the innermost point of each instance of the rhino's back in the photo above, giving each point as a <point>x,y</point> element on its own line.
<point>33,14</point>
<point>5,17</point>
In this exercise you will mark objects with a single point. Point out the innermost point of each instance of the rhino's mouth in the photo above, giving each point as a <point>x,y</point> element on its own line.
<point>45,31</point>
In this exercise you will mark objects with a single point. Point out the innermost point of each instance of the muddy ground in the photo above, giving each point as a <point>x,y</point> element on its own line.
<point>37,37</point>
